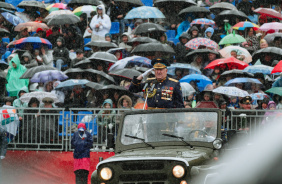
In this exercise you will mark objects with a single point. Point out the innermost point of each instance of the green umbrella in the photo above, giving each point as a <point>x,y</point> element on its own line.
<point>232,39</point>
<point>275,90</point>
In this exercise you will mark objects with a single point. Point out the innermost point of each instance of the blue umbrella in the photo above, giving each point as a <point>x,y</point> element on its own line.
<point>241,80</point>
<point>13,19</point>
<point>259,69</point>
<point>69,84</point>
<point>48,75</point>
<point>144,12</point>
<point>200,80</point>
<point>182,66</point>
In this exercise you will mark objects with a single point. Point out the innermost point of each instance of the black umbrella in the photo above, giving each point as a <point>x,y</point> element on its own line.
<point>30,72</point>
<point>73,3</point>
<point>7,6</point>
<point>193,9</point>
<point>101,44</point>
<point>231,15</point>
<point>236,73</point>
<point>126,73</point>
<point>35,4</point>
<point>219,7</point>
<point>131,2</point>
<point>201,52</point>
<point>153,47</point>
<point>274,51</point>
<point>114,88</point>
<point>3,65</point>
<point>141,40</point>
<point>63,19</point>
<point>169,3</point>
<point>270,37</point>
<point>103,56</point>
<point>146,28</point>
<point>94,85</point>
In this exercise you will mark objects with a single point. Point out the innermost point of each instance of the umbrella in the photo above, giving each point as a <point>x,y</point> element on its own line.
<point>259,69</point>
<point>56,6</point>
<point>101,44</point>
<point>30,72</point>
<point>213,2</point>
<point>200,80</point>
<point>273,51</point>
<point>186,89</point>
<point>83,2</point>
<point>231,15</point>
<point>229,62</point>
<point>141,40</point>
<point>103,56</point>
<point>69,84</point>
<point>232,39</point>
<point>241,80</point>
<point>31,26</point>
<point>181,66</point>
<point>246,24</point>
<point>135,60</point>
<point>153,47</point>
<point>170,3</point>
<point>3,75</point>
<point>146,28</point>
<point>277,68</point>
<point>275,90</point>
<point>84,9</point>
<point>134,3</point>
<point>203,21</point>
<point>269,13</point>
<point>63,19</point>
<point>48,75</point>
<point>13,19</point>
<point>259,96</point>
<point>125,73</point>
<point>201,52</point>
<point>35,4</point>
<point>270,37</point>
<point>3,65</point>
<point>237,73</point>
<point>144,12</point>
<point>55,13</point>
<point>196,42</point>
<point>7,6</point>
<point>193,9</point>
<point>218,7</point>
<point>226,52</point>
<point>94,85</point>
<point>231,91</point>
<point>36,42</point>
<point>272,25</point>
<point>40,95</point>
<point>113,88</point>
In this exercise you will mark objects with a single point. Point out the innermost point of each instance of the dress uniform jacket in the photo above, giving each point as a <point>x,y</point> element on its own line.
<point>165,94</point>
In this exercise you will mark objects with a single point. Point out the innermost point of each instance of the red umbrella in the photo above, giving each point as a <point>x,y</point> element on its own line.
<point>277,68</point>
<point>269,12</point>
<point>231,63</point>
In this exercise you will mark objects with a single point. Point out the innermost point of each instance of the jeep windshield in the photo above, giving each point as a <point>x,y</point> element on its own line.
<point>157,127</point>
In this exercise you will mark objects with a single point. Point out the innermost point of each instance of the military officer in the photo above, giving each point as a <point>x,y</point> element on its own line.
<point>161,91</point>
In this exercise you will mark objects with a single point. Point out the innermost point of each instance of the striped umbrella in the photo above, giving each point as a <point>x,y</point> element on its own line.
<point>36,42</point>
<point>243,25</point>
<point>84,9</point>
<point>56,6</point>
<point>203,21</point>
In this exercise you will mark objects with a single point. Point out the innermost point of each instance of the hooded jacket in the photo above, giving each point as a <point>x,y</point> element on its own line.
<point>180,49</point>
<point>61,52</point>
<point>31,62</point>
<point>105,117</point>
<point>104,21</point>
<point>125,45</point>
<point>13,77</point>
<point>193,28</point>
<point>209,29</point>
<point>82,142</point>
<point>18,103</point>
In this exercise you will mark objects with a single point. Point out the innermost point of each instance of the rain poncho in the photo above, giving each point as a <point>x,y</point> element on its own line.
<point>13,77</point>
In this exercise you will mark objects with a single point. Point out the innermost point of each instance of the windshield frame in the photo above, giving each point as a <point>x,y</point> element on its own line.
<point>121,147</point>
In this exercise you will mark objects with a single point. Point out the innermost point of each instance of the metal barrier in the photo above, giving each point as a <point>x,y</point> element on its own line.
<point>51,129</point>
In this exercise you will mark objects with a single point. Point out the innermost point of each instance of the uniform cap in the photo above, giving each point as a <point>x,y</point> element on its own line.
<point>246,100</point>
<point>159,63</point>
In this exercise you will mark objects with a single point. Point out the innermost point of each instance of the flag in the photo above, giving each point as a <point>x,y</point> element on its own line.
<point>9,120</point>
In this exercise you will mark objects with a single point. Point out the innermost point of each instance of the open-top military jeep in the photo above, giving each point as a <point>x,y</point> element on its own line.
<point>167,146</point>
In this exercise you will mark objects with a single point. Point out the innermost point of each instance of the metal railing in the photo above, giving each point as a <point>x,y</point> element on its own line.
<point>52,129</point>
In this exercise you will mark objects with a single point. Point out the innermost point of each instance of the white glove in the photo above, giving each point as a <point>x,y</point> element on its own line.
<point>148,72</point>
<point>111,126</point>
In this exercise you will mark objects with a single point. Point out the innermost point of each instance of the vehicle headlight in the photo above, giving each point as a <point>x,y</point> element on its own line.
<point>178,171</point>
<point>106,173</point>
<point>217,143</point>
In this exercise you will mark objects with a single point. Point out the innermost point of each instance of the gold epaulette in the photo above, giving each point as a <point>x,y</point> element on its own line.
<point>174,80</point>
<point>149,79</point>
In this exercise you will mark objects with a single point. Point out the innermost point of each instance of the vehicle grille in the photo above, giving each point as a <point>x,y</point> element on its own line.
<point>143,166</point>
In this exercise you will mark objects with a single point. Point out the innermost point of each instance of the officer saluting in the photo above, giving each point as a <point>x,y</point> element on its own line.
<point>162,91</point>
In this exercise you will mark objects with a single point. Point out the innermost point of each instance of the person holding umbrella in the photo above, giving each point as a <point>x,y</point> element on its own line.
<point>160,91</point>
